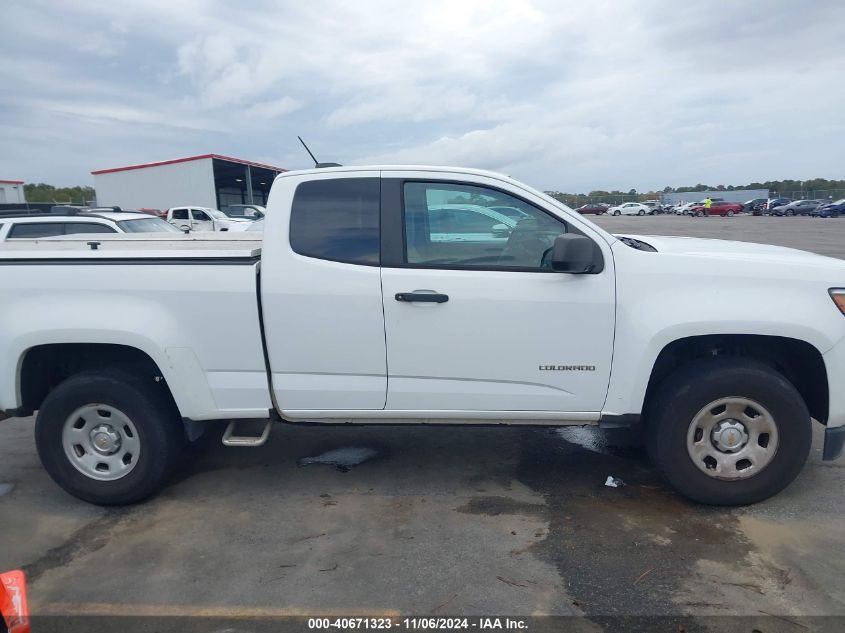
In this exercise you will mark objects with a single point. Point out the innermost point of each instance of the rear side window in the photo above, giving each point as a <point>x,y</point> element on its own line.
<point>36,229</point>
<point>72,228</point>
<point>337,219</point>
<point>180,214</point>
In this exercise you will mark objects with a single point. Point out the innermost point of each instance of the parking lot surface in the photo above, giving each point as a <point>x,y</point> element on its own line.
<point>447,520</point>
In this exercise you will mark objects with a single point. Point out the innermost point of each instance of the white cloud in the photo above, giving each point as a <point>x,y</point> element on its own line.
<point>566,95</point>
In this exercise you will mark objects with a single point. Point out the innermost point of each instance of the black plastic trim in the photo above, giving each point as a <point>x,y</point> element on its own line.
<point>624,421</point>
<point>834,441</point>
<point>392,229</point>
<point>130,261</point>
<point>19,412</point>
<point>421,297</point>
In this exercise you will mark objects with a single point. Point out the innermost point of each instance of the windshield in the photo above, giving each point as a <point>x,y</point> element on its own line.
<point>842,201</point>
<point>147,225</point>
<point>216,214</point>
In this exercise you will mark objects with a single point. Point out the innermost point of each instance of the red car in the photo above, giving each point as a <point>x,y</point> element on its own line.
<point>156,212</point>
<point>720,207</point>
<point>595,209</point>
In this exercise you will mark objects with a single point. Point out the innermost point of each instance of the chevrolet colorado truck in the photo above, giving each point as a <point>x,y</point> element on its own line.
<point>393,295</point>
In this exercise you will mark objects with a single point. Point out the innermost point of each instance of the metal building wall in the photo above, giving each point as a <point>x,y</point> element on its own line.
<point>11,193</point>
<point>158,187</point>
<point>738,195</point>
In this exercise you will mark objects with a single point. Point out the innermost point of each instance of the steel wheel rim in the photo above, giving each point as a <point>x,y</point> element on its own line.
<point>101,442</point>
<point>732,438</point>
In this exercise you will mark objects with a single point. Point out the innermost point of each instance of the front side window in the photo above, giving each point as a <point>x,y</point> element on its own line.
<point>337,219</point>
<point>200,216</point>
<point>469,226</point>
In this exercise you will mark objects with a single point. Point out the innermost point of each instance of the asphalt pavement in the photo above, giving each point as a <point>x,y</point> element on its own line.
<point>439,521</point>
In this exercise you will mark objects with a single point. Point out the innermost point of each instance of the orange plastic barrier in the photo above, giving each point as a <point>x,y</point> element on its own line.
<point>13,605</point>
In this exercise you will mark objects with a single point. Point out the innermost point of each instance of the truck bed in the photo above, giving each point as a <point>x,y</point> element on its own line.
<point>189,302</point>
<point>166,246</point>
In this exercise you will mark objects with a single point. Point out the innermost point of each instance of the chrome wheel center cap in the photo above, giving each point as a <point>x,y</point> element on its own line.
<point>105,439</point>
<point>729,436</point>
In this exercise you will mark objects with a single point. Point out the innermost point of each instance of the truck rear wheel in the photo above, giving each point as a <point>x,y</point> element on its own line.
<point>108,438</point>
<point>728,431</point>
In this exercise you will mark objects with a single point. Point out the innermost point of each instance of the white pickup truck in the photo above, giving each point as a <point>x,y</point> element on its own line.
<point>390,295</point>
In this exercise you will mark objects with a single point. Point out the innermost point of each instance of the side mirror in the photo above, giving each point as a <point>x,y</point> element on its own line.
<point>501,230</point>
<point>573,253</point>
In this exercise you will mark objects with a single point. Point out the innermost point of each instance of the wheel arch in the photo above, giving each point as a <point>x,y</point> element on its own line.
<point>42,367</point>
<point>799,361</point>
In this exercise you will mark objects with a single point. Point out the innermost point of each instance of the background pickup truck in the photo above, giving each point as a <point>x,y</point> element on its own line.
<point>394,295</point>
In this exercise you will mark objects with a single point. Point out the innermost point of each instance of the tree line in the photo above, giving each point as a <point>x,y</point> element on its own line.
<point>784,187</point>
<point>42,192</point>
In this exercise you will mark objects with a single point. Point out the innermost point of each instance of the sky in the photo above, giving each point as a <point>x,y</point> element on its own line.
<point>565,96</point>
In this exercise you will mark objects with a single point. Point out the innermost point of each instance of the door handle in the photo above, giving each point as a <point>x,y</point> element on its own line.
<point>425,297</point>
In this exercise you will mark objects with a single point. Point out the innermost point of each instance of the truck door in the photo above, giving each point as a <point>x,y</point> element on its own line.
<point>494,328</point>
<point>321,293</point>
<point>180,219</point>
<point>201,221</point>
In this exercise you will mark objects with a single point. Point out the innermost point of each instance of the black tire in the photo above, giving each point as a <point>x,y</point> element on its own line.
<point>151,411</point>
<point>641,212</point>
<point>683,395</point>
<point>834,214</point>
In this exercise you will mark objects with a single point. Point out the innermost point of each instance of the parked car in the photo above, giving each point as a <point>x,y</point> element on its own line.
<point>35,225</point>
<point>592,208</point>
<point>654,207</point>
<point>774,203</point>
<point>798,207</point>
<point>512,212</point>
<point>830,210</point>
<point>684,209</point>
<point>201,219</point>
<point>629,208</point>
<point>718,207</point>
<point>372,308</point>
<point>754,205</point>
<point>246,211</point>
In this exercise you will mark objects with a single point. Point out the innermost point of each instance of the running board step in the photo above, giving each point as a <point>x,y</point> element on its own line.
<point>230,439</point>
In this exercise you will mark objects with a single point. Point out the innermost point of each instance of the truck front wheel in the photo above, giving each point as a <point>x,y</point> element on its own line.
<point>108,438</point>
<point>728,431</point>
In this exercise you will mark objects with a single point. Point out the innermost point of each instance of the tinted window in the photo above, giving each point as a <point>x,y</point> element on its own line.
<point>180,214</point>
<point>450,225</point>
<point>151,225</point>
<point>337,219</point>
<point>35,229</point>
<point>200,216</point>
<point>87,227</point>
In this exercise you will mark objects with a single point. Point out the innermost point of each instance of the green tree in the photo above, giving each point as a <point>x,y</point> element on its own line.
<point>42,192</point>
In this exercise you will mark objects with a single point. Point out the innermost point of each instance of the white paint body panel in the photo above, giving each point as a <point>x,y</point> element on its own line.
<point>341,348</point>
<point>482,349</point>
<point>323,320</point>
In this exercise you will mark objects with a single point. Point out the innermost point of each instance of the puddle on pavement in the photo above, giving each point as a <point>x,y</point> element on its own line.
<point>496,505</point>
<point>6,489</point>
<point>643,539</point>
<point>341,458</point>
<point>620,442</point>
